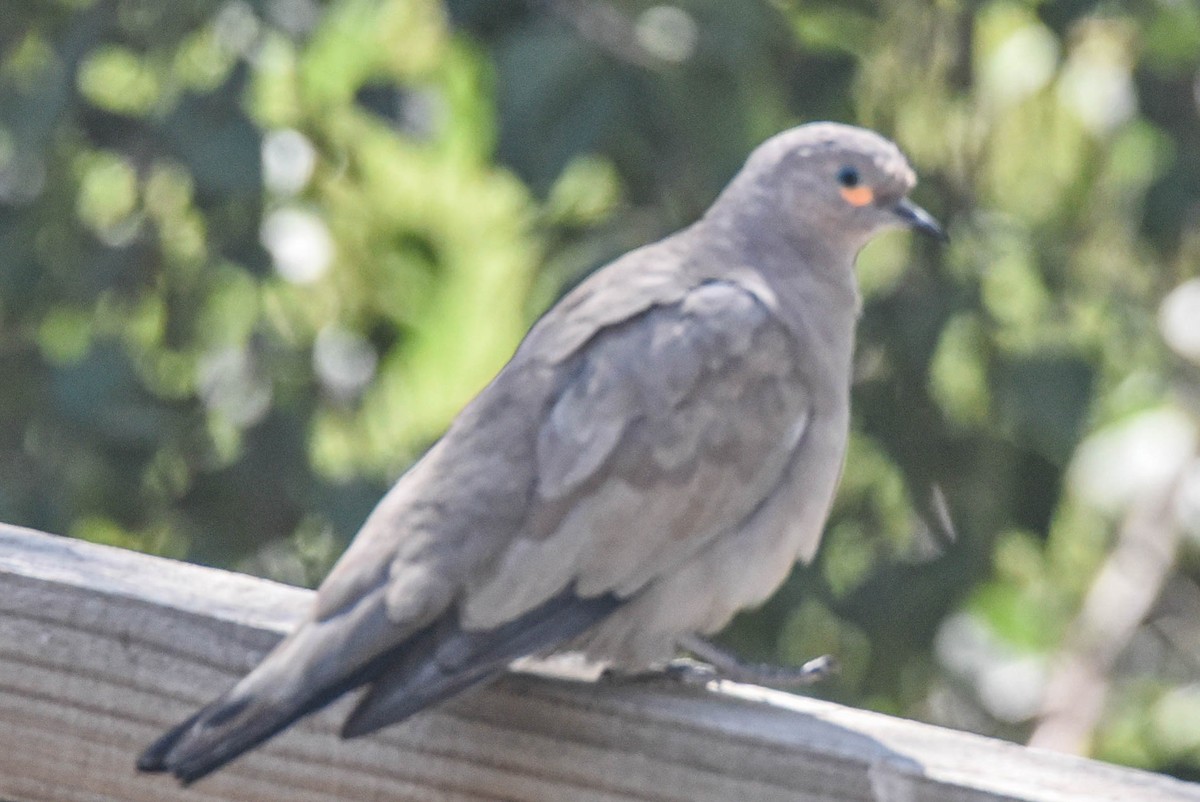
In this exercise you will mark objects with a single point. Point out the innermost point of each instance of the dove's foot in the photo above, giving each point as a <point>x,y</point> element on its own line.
<point>681,671</point>
<point>723,664</point>
<point>715,663</point>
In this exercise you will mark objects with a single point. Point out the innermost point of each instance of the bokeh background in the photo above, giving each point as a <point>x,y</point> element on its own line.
<point>254,254</point>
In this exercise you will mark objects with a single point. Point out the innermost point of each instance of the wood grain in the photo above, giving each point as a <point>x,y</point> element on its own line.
<point>101,649</point>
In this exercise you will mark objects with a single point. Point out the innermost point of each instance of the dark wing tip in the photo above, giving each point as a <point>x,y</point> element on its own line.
<point>446,660</point>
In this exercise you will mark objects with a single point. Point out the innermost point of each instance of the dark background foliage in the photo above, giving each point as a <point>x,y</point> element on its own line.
<point>255,254</point>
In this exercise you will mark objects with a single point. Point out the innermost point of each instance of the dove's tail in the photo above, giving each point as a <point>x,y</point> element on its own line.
<point>311,669</point>
<point>313,666</point>
<point>221,731</point>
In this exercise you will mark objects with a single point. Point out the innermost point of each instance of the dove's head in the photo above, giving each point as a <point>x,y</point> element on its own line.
<point>830,184</point>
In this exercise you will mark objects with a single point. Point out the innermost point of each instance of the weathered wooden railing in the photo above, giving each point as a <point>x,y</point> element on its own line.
<point>100,649</point>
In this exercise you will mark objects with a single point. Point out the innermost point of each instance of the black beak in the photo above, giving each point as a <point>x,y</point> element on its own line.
<point>918,219</point>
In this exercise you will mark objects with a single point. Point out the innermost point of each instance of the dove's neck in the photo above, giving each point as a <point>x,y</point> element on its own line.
<point>799,266</point>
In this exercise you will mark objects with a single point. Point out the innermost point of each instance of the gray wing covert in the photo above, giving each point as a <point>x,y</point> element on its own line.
<point>672,427</point>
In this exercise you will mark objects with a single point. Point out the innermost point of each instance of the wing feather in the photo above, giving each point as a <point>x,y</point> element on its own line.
<point>672,427</point>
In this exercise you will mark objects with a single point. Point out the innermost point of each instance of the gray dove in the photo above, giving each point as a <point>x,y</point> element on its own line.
<point>661,449</point>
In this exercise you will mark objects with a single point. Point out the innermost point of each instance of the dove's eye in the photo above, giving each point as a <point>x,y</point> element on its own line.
<point>854,192</point>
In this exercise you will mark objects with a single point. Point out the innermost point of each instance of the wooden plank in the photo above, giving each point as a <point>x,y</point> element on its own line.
<point>100,649</point>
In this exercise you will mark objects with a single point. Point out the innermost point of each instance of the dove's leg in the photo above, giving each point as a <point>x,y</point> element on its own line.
<point>714,663</point>
<point>723,664</point>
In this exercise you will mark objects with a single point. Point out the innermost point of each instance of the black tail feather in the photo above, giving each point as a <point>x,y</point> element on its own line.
<point>226,729</point>
<point>432,665</point>
<point>154,758</point>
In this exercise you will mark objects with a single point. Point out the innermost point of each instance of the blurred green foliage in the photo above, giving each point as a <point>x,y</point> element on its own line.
<point>254,254</point>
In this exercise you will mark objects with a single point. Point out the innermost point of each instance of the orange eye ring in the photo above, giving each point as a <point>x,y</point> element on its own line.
<point>858,196</point>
